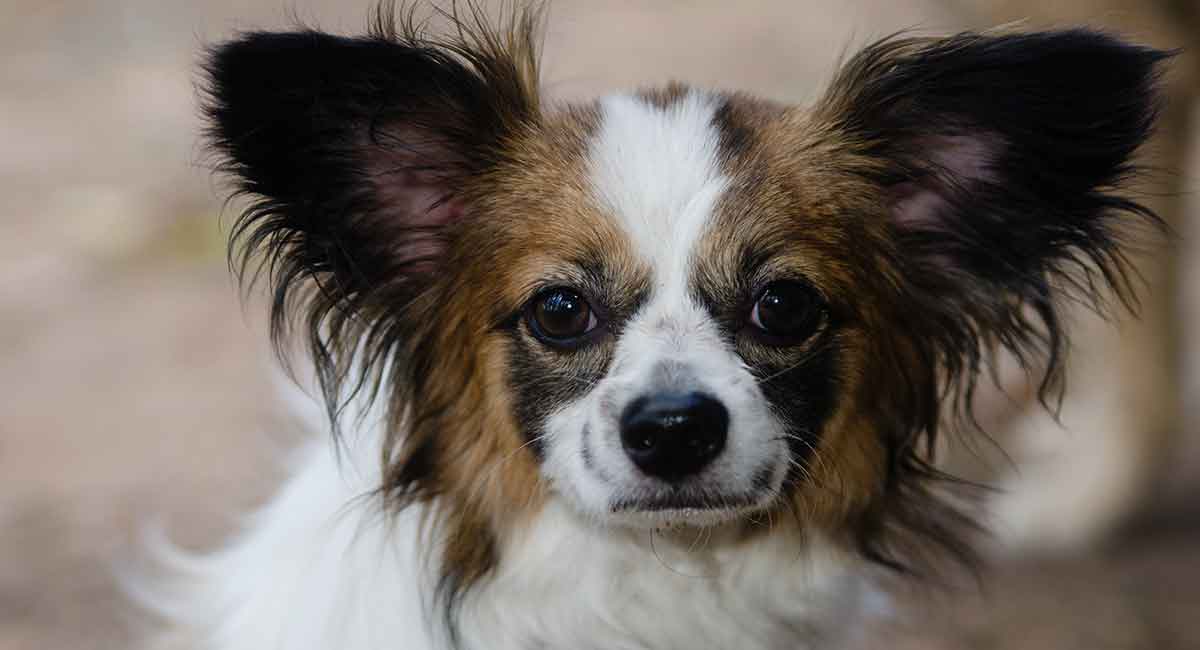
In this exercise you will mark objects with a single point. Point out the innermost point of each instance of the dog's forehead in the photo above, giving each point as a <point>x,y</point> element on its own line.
<point>654,166</point>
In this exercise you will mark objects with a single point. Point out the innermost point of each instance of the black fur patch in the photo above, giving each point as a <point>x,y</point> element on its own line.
<point>803,394</point>
<point>328,134</point>
<point>544,378</point>
<point>1058,115</point>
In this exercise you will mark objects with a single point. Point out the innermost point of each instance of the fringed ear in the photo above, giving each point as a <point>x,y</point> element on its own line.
<point>1000,159</point>
<point>359,154</point>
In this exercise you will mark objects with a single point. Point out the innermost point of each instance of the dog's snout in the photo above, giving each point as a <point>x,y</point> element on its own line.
<point>674,435</point>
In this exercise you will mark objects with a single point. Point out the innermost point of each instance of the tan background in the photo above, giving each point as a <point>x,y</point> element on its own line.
<point>132,380</point>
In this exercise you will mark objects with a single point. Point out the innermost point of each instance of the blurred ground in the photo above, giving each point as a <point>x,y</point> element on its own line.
<point>132,383</point>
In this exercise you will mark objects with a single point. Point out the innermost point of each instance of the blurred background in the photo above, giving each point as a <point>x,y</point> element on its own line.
<point>134,382</point>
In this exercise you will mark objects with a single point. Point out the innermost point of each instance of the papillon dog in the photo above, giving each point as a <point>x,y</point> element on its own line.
<point>660,370</point>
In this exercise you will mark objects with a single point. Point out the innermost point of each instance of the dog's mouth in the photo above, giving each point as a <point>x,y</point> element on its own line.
<point>684,508</point>
<point>694,504</point>
<point>683,500</point>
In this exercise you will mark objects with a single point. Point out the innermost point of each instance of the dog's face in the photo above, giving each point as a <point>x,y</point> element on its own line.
<point>675,307</point>
<point>671,353</point>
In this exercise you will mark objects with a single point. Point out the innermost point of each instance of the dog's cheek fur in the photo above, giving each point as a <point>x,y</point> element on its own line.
<point>367,155</point>
<point>477,385</point>
<point>543,380</point>
<point>993,163</point>
<point>454,435</point>
<point>799,205</point>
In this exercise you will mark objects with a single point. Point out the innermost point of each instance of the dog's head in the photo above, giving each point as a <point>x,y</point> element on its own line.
<point>676,306</point>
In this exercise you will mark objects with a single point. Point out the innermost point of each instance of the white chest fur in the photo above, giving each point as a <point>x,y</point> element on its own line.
<point>567,584</point>
<point>319,568</point>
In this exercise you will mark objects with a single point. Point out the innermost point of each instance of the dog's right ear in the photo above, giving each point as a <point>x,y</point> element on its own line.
<point>358,148</point>
<point>358,154</point>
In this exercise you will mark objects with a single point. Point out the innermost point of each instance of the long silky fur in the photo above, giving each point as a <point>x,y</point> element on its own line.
<point>321,241</point>
<point>325,278</point>
<point>1050,229</point>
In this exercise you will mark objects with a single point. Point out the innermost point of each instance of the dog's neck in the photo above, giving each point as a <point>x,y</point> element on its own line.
<point>321,567</point>
<point>564,582</point>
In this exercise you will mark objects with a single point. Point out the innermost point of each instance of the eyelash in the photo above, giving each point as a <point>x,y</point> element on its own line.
<point>814,308</point>
<point>540,330</point>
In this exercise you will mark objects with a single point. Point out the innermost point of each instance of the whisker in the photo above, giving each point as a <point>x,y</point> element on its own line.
<point>499,464</point>
<point>779,373</point>
<point>587,381</point>
<point>805,471</point>
<point>806,358</point>
<point>699,535</point>
<point>816,454</point>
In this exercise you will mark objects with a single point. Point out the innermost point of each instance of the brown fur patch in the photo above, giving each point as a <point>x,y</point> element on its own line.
<point>663,97</point>
<point>529,221</point>
<point>794,210</point>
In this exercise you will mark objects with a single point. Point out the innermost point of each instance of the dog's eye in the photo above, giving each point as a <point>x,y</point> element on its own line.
<point>787,312</point>
<point>559,315</point>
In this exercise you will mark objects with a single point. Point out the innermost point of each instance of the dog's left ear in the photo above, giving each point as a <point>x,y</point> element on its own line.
<point>999,157</point>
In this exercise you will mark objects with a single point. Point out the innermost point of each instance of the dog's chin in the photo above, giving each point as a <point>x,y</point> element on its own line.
<point>702,501</point>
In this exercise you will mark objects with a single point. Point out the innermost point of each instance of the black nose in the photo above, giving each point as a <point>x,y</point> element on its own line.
<point>673,435</point>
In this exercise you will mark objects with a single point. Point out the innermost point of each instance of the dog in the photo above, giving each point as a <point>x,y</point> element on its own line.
<point>661,370</point>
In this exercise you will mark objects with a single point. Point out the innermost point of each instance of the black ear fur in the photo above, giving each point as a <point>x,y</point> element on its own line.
<point>1003,154</point>
<point>1001,158</point>
<point>356,152</point>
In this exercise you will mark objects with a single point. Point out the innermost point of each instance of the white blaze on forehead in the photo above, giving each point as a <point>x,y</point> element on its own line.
<point>657,172</point>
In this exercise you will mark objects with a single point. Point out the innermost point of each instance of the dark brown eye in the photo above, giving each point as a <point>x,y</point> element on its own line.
<point>787,312</point>
<point>560,314</point>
